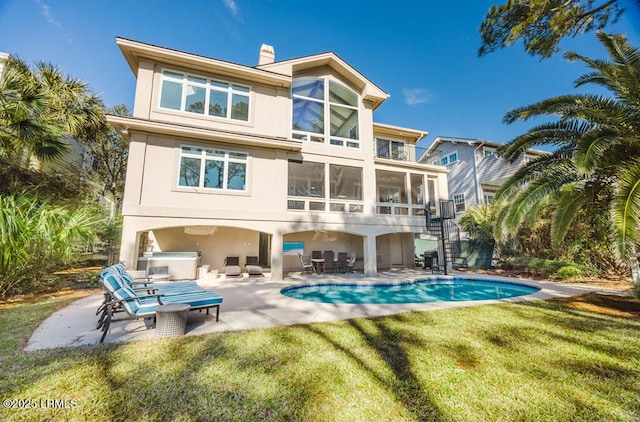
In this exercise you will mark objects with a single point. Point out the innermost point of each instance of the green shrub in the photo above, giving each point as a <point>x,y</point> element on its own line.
<point>36,239</point>
<point>546,268</point>
<point>568,272</point>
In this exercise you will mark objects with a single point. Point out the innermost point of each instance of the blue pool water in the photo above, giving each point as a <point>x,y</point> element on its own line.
<point>421,291</point>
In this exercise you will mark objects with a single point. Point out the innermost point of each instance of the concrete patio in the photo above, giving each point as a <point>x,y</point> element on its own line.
<point>258,303</point>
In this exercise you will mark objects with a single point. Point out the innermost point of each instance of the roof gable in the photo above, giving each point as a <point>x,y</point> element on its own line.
<point>370,91</point>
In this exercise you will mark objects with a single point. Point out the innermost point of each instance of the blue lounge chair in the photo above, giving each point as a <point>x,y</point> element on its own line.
<point>120,296</point>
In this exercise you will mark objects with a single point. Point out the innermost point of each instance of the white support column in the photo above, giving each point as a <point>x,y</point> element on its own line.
<point>370,255</point>
<point>276,257</point>
<point>130,244</point>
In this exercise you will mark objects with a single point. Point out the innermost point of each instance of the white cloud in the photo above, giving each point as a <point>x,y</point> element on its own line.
<point>232,6</point>
<point>416,96</point>
<point>46,13</point>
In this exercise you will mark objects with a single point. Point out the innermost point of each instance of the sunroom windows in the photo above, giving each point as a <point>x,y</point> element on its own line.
<point>325,111</point>
<point>324,187</point>
<point>212,168</point>
<point>204,96</point>
<point>400,193</point>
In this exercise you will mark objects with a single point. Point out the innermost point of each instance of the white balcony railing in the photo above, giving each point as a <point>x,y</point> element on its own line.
<point>322,205</point>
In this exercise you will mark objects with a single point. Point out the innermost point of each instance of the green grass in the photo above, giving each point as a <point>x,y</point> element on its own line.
<point>537,361</point>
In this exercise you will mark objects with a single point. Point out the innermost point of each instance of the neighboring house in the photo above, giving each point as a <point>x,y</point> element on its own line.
<point>3,59</point>
<point>268,160</point>
<point>475,172</point>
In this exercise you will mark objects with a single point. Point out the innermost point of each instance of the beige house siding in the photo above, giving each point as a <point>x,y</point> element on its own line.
<point>234,223</point>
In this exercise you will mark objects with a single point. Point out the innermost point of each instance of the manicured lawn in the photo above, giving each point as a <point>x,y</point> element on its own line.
<point>537,361</point>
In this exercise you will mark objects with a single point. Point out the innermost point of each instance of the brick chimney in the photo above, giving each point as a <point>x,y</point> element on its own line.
<point>267,55</point>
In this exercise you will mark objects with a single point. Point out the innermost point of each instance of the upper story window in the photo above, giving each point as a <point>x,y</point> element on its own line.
<point>447,159</point>
<point>489,197</point>
<point>325,111</point>
<point>489,152</point>
<point>204,96</point>
<point>212,168</point>
<point>460,203</point>
<point>386,148</point>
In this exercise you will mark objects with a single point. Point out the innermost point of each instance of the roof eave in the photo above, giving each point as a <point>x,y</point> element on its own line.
<point>133,51</point>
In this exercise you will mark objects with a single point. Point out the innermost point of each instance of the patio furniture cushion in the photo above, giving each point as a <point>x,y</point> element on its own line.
<point>232,266</point>
<point>252,266</point>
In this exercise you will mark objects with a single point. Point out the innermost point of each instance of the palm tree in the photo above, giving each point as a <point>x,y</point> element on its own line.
<point>479,223</point>
<point>40,107</point>
<point>597,155</point>
<point>25,121</point>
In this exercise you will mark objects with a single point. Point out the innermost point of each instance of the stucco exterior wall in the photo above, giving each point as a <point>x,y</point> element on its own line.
<point>153,201</point>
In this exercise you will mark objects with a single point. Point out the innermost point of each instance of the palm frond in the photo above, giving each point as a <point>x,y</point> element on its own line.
<point>526,201</point>
<point>571,198</point>
<point>559,133</point>
<point>561,158</point>
<point>626,209</point>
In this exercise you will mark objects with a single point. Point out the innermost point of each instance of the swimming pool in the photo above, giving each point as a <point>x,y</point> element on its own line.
<point>419,291</point>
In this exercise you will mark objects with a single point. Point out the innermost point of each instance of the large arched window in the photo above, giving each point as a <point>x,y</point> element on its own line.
<point>325,111</point>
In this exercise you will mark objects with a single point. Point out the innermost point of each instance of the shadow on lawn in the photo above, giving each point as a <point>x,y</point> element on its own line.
<point>310,372</point>
<point>389,346</point>
<point>593,355</point>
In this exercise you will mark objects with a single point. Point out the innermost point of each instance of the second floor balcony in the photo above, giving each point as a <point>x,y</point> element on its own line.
<point>399,151</point>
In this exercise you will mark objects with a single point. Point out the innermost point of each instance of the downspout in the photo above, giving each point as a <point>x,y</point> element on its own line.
<point>475,172</point>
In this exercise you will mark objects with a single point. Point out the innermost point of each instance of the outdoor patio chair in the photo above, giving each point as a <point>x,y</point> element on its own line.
<point>115,280</point>
<point>328,261</point>
<point>350,262</point>
<point>232,267</point>
<point>305,265</point>
<point>139,306</point>
<point>341,263</point>
<point>252,266</point>
<point>116,277</point>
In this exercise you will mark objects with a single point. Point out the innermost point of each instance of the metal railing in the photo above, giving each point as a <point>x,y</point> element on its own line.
<point>400,152</point>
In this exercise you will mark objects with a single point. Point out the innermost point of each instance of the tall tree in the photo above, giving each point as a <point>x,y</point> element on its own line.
<point>25,119</point>
<point>110,151</point>
<point>479,223</point>
<point>40,107</point>
<point>597,155</point>
<point>541,24</point>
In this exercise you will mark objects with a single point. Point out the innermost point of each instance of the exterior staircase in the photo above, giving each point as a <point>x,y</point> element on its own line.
<point>448,233</point>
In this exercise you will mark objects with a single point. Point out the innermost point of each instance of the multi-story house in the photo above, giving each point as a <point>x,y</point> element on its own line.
<point>475,172</point>
<point>268,160</point>
<point>3,59</point>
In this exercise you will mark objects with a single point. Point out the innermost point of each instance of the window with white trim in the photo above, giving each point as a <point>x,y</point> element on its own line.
<point>459,202</point>
<point>325,111</point>
<point>447,159</point>
<point>212,168</point>
<point>489,197</point>
<point>204,96</point>
<point>488,152</point>
<point>387,148</point>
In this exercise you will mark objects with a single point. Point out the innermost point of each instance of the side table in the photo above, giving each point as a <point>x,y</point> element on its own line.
<point>171,319</point>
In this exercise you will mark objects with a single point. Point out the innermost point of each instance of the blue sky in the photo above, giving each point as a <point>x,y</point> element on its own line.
<point>422,53</point>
